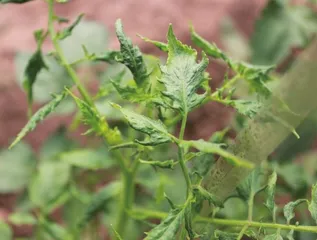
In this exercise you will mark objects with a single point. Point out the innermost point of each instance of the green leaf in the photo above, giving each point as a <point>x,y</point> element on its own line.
<point>49,186</point>
<point>289,208</point>
<point>81,35</point>
<point>189,222</point>
<point>97,123</point>
<point>182,76</point>
<point>156,130</point>
<point>133,94</point>
<point>275,236</point>
<point>40,115</point>
<point>16,168</point>
<point>280,28</point>
<point>160,45</point>
<point>161,164</point>
<point>5,231</point>
<point>215,148</point>
<point>109,57</point>
<point>313,203</point>
<point>250,185</point>
<point>168,228</point>
<point>246,107</point>
<point>132,56</point>
<point>35,65</point>
<point>99,201</point>
<point>52,80</point>
<point>20,218</point>
<point>270,191</point>
<point>14,1</point>
<point>209,48</point>
<point>201,193</point>
<point>203,162</point>
<point>256,76</point>
<point>220,235</point>
<point>87,159</point>
<point>68,31</point>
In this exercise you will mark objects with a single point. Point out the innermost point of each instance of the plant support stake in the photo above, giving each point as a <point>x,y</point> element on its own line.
<point>261,136</point>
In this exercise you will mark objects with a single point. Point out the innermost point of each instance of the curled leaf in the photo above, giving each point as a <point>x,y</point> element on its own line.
<point>289,208</point>
<point>160,45</point>
<point>131,56</point>
<point>35,65</point>
<point>40,115</point>
<point>313,203</point>
<point>215,148</point>
<point>156,130</point>
<point>270,191</point>
<point>161,164</point>
<point>68,31</point>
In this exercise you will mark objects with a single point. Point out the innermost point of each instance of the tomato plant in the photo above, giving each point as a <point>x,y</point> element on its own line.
<point>153,172</point>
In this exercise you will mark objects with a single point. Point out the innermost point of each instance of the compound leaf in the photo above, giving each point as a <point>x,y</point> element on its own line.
<point>255,75</point>
<point>182,76</point>
<point>154,128</point>
<point>40,115</point>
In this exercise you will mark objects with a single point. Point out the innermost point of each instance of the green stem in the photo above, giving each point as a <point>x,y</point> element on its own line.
<point>182,157</point>
<point>127,196</point>
<point>245,227</point>
<point>127,199</point>
<point>148,214</point>
<point>250,206</point>
<point>236,223</point>
<point>61,56</point>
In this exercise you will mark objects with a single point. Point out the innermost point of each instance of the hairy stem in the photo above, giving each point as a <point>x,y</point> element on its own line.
<point>127,195</point>
<point>150,214</point>
<point>182,157</point>
<point>61,56</point>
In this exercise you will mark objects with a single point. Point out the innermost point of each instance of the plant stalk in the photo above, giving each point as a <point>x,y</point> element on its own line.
<point>150,214</point>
